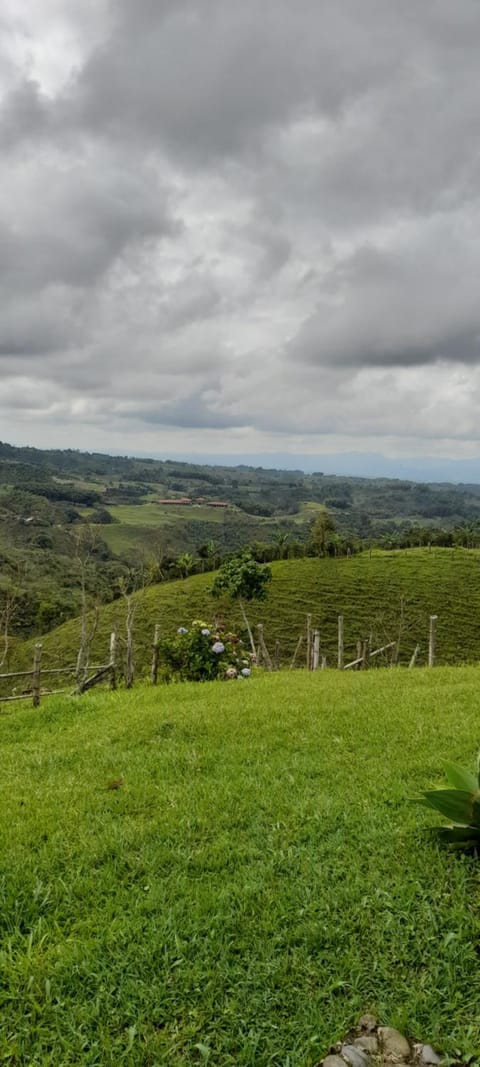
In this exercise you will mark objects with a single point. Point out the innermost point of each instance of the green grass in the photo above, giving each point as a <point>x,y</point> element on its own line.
<point>158,515</point>
<point>260,880</point>
<point>136,527</point>
<point>308,511</point>
<point>368,591</point>
<point>82,483</point>
<point>124,538</point>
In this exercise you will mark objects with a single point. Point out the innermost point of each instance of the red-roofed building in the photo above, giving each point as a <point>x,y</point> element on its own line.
<point>184,500</point>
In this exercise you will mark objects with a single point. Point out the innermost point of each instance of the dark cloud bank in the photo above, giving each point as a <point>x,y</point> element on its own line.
<point>255,218</point>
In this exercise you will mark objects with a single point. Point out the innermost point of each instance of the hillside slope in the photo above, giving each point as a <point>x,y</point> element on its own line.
<point>259,880</point>
<point>367,590</point>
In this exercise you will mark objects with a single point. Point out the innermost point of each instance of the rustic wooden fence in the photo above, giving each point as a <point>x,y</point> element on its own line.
<point>314,660</point>
<point>83,680</point>
<point>95,674</point>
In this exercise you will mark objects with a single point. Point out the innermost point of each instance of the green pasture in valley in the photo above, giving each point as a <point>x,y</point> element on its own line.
<point>124,539</point>
<point>140,527</point>
<point>158,514</point>
<point>257,879</point>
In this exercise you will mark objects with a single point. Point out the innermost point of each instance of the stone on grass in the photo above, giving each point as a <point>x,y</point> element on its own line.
<point>395,1045</point>
<point>333,1061</point>
<point>357,1057</point>
<point>428,1055</point>
<point>368,1023</point>
<point>368,1042</point>
<point>371,1045</point>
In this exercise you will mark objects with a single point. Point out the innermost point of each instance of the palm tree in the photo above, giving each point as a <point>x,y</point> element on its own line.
<point>213,553</point>
<point>281,541</point>
<point>185,564</point>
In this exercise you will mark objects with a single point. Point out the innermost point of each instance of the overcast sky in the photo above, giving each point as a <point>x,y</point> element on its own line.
<point>240,226</point>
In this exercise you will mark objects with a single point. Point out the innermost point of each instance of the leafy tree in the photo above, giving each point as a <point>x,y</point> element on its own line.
<point>185,564</point>
<point>321,530</point>
<point>101,517</point>
<point>209,554</point>
<point>243,579</point>
<point>281,542</point>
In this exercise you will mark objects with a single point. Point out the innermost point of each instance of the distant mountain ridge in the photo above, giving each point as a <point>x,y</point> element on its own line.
<point>430,469</point>
<point>372,465</point>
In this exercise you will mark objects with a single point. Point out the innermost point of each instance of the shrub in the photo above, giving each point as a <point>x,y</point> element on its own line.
<point>202,654</point>
<point>243,579</point>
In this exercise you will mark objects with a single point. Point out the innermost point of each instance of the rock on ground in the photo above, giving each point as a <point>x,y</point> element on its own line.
<point>371,1045</point>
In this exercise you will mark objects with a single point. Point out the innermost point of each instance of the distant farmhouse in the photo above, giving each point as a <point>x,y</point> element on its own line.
<point>183,500</point>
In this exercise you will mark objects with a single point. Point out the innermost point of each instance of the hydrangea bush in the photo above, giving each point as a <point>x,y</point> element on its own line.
<point>200,653</point>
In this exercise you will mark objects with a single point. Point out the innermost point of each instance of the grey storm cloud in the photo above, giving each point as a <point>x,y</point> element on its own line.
<point>24,114</point>
<point>211,76</point>
<point>191,412</point>
<point>81,222</point>
<point>412,304</point>
<point>207,77</point>
<point>240,207</point>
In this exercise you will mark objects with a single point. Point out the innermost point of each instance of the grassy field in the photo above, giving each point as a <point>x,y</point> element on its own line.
<point>125,538</point>
<point>259,880</point>
<point>140,527</point>
<point>136,527</point>
<point>367,590</point>
<point>157,515</point>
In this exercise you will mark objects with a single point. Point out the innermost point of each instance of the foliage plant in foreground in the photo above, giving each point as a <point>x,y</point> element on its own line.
<point>243,579</point>
<point>201,654</point>
<point>461,804</point>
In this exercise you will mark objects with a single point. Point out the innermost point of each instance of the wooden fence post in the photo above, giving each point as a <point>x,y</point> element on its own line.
<point>129,666</point>
<point>263,648</point>
<point>297,650</point>
<point>276,656</point>
<point>340,643</point>
<point>316,650</point>
<point>365,654</point>
<point>113,648</point>
<point>309,643</point>
<point>396,647</point>
<point>432,640</point>
<point>324,663</point>
<point>359,654</point>
<point>37,660</point>
<point>414,656</point>
<point>155,654</point>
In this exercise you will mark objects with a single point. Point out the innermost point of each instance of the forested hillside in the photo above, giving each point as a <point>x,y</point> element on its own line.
<point>73,525</point>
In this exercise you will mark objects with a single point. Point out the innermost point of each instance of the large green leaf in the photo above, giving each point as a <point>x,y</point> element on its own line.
<point>459,836</point>
<point>456,804</point>
<point>459,778</point>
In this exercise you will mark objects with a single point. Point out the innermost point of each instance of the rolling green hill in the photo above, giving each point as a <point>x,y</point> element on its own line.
<point>51,499</point>
<point>367,589</point>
